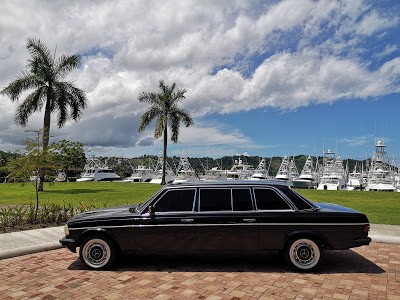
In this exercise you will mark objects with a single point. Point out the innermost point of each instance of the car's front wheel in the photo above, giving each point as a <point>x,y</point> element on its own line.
<point>304,254</point>
<point>97,252</point>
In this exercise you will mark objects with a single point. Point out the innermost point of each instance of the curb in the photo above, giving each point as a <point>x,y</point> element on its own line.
<point>385,239</point>
<point>29,250</point>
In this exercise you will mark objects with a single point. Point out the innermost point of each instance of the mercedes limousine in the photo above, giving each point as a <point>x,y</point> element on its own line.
<point>222,217</point>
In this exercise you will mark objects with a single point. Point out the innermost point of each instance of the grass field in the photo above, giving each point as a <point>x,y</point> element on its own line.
<point>380,207</point>
<point>97,193</point>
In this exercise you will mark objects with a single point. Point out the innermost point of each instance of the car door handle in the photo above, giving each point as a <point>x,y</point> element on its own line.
<point>249,220</point>
<point>187,220</point>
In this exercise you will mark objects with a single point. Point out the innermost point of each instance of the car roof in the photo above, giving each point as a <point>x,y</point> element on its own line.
<point>227,183</point>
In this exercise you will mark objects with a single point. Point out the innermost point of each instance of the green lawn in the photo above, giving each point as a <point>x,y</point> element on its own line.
<point>88,193</point>
<point>380,207</point>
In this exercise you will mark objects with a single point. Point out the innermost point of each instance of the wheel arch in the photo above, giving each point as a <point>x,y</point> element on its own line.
<point>97,232</point>
<point>310,234</point>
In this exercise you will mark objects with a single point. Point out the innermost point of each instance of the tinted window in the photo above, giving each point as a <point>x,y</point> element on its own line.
<point>215,199</point>
<point>178,200</point>
<point>268,199</point>
<point>241,199</point>
<point>298,201</point>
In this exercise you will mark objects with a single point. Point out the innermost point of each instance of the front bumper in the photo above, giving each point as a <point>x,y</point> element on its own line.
<point>69,243</point>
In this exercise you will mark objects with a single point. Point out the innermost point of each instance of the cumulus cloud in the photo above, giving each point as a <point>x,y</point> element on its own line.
<point>230,56</point>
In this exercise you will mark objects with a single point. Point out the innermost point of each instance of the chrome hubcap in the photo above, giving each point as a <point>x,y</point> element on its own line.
<point>304,254</point>
<point>96,253</point>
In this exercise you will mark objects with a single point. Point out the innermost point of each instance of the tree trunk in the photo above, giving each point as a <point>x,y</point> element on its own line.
<point>165,153</point>
<point>46,134</point>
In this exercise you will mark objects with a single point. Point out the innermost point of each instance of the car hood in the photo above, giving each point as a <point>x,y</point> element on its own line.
<point>117,212</point>
<point>331,207</point>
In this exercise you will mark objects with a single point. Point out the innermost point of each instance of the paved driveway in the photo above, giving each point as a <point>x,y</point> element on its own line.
<point>371,272</point>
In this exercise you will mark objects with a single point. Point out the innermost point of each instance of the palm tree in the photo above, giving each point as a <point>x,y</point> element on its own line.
<point>45,76</point>
<point>164,107</point>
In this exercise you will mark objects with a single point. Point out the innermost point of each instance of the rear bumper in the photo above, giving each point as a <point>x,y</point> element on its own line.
<point>68,243</point>
<point>362,242</point>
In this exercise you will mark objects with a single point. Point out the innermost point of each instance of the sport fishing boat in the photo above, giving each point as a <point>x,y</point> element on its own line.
<point>308,178</point>
<point>95,170</point>
<point>240,170</point>
<point>287,170</point>
<point>381,177</point>
<point>158,171</point>
<point>355,180</point>
<point>261,172</point>
<point>332,175</point>
<point>141,174</point>
<point>185,171</point>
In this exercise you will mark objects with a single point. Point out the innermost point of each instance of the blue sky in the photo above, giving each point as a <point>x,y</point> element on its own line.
<point>266,78</point>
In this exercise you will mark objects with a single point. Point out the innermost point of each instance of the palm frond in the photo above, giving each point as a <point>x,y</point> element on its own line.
<point>146,97</point>
<point>40,55</point>
<point>184,117</point>
<point>179,95</point>
<point>160,126</point>
<point>33,102</point>
<point>65,64</point>
<point>68,97</point>
<point>62,115</point>
<point>174,124</point>
<point>23,83</point>
<point>147,117</point>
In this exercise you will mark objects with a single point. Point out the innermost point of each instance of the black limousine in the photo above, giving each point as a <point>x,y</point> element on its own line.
<point>222,217</point>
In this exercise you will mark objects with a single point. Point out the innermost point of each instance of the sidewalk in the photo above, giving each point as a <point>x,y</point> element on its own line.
<point>32,241</point>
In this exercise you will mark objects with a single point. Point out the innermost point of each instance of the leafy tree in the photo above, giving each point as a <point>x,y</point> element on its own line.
<point>69,154</point>
<point>25,168</point>
<point>164,107</point>
<point>45,76</point>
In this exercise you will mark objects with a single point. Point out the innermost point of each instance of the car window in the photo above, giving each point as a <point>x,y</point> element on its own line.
<point>299,201</point>
<point>241,200</point>
<point>176,200</point>
<point>268,199</point>
<point>215,199</point>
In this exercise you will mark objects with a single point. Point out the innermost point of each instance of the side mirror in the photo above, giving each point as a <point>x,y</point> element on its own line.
<point>151,210</point>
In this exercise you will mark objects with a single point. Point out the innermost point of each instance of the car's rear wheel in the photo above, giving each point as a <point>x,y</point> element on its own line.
<point>304,254</point>
<point>97,252</point>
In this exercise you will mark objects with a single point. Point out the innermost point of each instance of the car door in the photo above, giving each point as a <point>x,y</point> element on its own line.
<point>171,227</point>
<point>276,218</point>
<point>226,220</point>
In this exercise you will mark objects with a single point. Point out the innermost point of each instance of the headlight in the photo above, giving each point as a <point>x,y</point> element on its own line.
<point>66,230</point>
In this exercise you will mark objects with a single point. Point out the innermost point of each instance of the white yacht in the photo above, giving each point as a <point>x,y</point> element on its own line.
<point>308,178</point>
<point>95,170</point>
<point>332,175</point>
<point>380,176</point>
<point>397,181</point>
<point>141,174</point>
<point>185,171</point>
<point>283,171</point>
<point>261,172</point>
<point>61,176</point>
<point>287,170</point>
<point>214,173</point>
<point>158,171</point>
<point>355,180</point>
<point>240,170</point>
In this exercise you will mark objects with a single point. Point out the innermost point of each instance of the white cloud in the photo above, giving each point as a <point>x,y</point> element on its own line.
<point>372,23</point>
<point>296,52</point>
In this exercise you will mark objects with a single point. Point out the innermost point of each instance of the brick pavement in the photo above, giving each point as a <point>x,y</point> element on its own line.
<point>371,272</point>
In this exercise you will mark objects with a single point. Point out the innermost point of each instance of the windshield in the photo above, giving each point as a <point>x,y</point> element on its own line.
<point>143,205</point>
